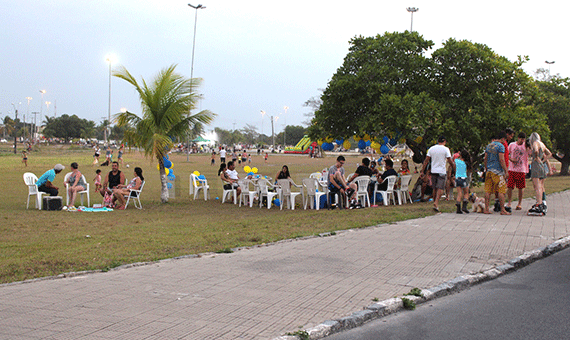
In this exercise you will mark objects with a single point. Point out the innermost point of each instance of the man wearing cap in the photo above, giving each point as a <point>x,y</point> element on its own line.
<point>45,182</point>
<point>438,154</point>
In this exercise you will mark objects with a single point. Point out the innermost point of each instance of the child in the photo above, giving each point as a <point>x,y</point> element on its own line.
<point>213,161</point>
<point>97,180</point>
<point>25,158</point>
<point>266,157</point>
<point>249,158</point>
<point>462,175</point>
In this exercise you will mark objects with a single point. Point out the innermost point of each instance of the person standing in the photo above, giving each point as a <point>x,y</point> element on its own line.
<point>496,173</point>
<point>438,154</point>
<point>539,169</point>
<point>222,155</point>
<point>45,182</point>
<point>463,170</point>
<point>518,168</point>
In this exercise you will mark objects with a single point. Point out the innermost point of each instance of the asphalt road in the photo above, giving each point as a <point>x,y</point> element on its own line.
<point>531,303</point>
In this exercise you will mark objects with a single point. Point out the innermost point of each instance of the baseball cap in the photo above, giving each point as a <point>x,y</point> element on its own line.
<point>58,167</point>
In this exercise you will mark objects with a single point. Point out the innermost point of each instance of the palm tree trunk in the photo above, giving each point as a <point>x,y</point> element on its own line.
<point>164,188</point>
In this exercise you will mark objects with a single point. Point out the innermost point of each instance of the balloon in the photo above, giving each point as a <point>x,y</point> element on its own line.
<point>169,185</point>
<point>247,168</point>
<point>254,170</point>
<point>277,202</point>
<point>196,173</point>
<point>329,139</point>
<point>338,142</point>
<point>167,163</point>
<point>385,139</point>
<point>368,143</point>
<point>361,144</point>
<point>384,149</point>
<point>171,176</point>
<point>366,137</point>
<point>393,142</point>
<point>320,142</point>
<point>346,144</point>
<point>250,174</point>
<point>158,167</point>
<point>202,177</point>
<point>357,138</point>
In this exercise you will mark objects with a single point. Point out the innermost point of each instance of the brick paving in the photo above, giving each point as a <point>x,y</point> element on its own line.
<point>264,292</point>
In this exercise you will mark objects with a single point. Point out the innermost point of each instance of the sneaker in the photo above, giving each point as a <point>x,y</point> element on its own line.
<point>543,207</point>
<point>508,209</point>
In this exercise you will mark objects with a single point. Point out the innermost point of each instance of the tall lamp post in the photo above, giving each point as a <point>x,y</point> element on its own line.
<point>15,131</point>
<point>28,114</point>
<point>192,68</point>
<point>412,10</point>
<point>284,124</point>
<point>41,107</point>
<point>549,63</point>
<point>110,58</point>
<point>261,135</point>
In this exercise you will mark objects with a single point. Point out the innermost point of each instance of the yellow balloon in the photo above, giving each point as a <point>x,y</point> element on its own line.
<point>375,145</point>
<point>366,137</point>
<point>247,169</point>
<point>357,138</point>
<point>320,142</point>
<point>196,173</point>
<point>254,170</point>
<point>167,171</point>
<point>329,139</point>
<point>346,144</point>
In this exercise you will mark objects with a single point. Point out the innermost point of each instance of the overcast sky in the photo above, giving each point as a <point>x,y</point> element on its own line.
<point>252,56</point>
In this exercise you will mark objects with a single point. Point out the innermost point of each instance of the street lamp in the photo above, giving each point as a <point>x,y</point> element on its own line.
<point>192,68</point>
<point>412,10</point>
<point>549,63</point>
<point>262,115</point>
<point>110,58</point>
<point>15,131</point>
<point>284,123</point>
<point>47,108</point>
<point>28,113</point>
<point>41,107</point>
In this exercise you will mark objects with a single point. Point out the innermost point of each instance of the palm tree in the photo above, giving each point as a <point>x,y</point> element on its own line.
<point>166,104</point>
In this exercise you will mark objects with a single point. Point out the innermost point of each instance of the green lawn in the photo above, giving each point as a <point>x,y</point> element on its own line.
<point>40,243</point>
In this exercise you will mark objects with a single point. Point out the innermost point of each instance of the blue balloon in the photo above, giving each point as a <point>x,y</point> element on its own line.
<point>361,144</point>
<point>338,141</point>
<point>250,174</point>
<point>393,142</point>
<point>171,177</point>
<point>277,202</point>
<point>385,139</point>
<point>169,185</point>
<point>384,149</point>
<point>167,163</point>
<point>368,143</point>
<point>202,177</point>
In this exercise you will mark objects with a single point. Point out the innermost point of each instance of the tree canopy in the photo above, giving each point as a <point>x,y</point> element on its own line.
<point>389,87</point>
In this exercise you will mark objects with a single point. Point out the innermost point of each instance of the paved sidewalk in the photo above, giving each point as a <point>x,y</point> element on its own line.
<point>264,292</point>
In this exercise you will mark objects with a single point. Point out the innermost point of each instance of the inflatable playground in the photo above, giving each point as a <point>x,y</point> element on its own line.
<point>304,146</point>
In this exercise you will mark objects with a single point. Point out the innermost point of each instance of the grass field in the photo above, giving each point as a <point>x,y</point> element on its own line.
<point>40,243</point>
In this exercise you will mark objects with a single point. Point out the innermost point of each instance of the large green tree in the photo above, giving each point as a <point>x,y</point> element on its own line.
<point>388,86</point>
<point>166,105</point>
<point>65,127</point>
<point>553,102</point>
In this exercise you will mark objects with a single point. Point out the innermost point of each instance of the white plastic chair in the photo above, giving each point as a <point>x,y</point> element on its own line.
<point>30,179</point>
<point>80,193</point>
<point>197,184</point>
<point>362,184</point>
<point>285,185</point>
<point>246,194</point>
<point>136,198</point>
<point>228,192</point>
<point>389,192</point>
<point>311,184</point>
<point>264,186</point>
<point>404,191</point>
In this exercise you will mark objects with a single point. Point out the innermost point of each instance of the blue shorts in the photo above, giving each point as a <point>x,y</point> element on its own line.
<point>462,182</point>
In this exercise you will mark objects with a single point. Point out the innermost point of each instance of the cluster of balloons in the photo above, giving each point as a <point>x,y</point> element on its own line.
<point>168,168</point>
<point>363,142</point>
<point>201,178</point>
<point>250,171</point>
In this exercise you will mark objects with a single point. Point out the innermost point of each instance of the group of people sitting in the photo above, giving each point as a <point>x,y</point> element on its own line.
<point>347,188</point>
<point>113,189</point>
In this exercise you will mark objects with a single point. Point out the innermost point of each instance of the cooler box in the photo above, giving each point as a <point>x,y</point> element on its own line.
<point>52,203</point>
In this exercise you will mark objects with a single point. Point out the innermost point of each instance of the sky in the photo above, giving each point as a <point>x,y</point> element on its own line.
<point>252,56</point>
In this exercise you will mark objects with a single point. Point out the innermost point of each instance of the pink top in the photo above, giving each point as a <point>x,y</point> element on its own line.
<point>519,154</point>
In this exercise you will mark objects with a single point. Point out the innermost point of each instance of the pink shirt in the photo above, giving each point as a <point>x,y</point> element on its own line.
<point>519,154</point>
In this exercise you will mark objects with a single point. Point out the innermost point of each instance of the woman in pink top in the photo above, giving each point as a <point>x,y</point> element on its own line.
<point>518,168</point>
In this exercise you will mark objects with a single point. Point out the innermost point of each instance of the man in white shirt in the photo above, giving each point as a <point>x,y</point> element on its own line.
<point>438,155</point>
<point>223,155</point>
<point>233,176</point>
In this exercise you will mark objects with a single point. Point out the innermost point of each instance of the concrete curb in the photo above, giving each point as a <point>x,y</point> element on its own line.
<point>390,306</point>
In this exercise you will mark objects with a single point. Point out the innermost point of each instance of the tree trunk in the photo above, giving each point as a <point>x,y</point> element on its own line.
<point>164,187</point>
<point>564,163</point>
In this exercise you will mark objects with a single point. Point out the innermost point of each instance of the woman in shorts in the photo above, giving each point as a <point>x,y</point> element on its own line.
<point>539,169</point>
<point>462,174</point>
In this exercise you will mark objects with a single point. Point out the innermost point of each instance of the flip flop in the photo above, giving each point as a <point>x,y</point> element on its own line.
<point>436,209</point>
<point>518,207</point>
